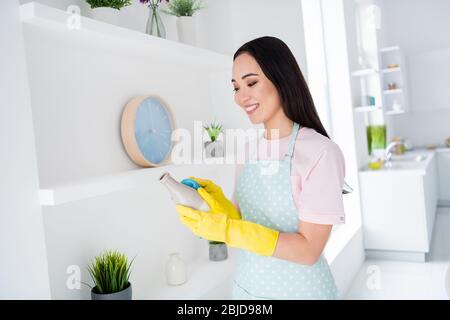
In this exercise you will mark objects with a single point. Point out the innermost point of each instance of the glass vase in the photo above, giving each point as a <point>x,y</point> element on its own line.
<point>155,26</point>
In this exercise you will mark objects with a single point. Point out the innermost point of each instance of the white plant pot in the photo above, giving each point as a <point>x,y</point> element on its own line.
<point>170,23</point>
<point>187,30</point>
<point>108,15</point>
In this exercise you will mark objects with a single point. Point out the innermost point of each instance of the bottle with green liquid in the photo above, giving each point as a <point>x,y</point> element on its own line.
<point>376,137</point>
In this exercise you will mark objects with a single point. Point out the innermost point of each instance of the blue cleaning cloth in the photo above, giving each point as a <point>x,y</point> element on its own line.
<point>190,183</point>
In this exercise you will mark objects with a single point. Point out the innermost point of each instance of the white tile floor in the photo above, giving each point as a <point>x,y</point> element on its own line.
<point>383,279</point>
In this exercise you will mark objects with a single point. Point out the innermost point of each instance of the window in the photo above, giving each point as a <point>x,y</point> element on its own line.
<point>329,81</point>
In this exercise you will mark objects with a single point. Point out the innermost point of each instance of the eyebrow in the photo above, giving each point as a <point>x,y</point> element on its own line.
<point>245,76</point>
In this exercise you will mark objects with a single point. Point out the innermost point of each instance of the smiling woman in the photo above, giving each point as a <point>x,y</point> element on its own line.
<point>286,215</point>
<point>285,92</point>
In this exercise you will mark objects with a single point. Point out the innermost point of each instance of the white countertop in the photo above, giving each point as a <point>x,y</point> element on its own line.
<point>442,149</point>
<point>404,164</point>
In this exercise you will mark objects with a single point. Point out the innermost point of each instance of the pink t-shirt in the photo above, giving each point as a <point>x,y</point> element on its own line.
<point>317,175</point>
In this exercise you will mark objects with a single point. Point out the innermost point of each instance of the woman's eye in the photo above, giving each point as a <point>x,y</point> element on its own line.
<point>251,84</point>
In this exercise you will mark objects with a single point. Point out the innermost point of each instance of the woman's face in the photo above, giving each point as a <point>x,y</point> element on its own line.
<point>253,91</point>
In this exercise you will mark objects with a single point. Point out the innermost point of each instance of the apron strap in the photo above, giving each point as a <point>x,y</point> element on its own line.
<point>290,150</point>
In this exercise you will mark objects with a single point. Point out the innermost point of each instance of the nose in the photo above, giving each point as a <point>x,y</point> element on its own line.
<point>242,97</point>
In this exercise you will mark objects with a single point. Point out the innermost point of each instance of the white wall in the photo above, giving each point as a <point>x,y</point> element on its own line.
<point>255,18</point>
<point>340,42</point>
<point>79,86</point>
<point>23,270</point>
<point>236,22</point>
<point>62,4</point>
<point>348,262</point>
<point>79,90</point>
<point>419,27</point>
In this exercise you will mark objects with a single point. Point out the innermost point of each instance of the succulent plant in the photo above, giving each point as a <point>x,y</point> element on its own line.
<point>213,130</point>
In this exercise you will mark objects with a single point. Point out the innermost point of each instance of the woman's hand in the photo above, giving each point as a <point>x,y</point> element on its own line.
<point>234,232</point>
<point>214,197</point>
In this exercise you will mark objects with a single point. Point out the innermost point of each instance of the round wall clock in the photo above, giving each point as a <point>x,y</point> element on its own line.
<point>146,128</point>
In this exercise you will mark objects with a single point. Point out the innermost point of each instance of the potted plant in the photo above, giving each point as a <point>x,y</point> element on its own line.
<point>107,10</point>
<point>217,250</point>
<point>110,272</point>
<point>186,25</point>
<point>214,148</point>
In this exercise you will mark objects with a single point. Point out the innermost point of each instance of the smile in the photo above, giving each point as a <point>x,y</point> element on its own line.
<point>251,108</point>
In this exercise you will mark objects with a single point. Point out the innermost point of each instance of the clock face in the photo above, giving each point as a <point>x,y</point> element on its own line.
<point>147,126</point>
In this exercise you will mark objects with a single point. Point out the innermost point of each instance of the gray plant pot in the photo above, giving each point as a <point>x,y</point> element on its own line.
<point>214,149</point>
<point>125,294</point>
<point>218,251</point>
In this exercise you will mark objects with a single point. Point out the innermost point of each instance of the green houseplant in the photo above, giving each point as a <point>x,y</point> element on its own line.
<point>183,8</point>
<point>107,10</point>
<point>213,130</point>
<point>115,4</point>
<point>214,148</point>
<point>110,272</point>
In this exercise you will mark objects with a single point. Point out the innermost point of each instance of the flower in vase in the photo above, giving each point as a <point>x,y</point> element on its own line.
<point>152,2</point>
<point>155,26</point>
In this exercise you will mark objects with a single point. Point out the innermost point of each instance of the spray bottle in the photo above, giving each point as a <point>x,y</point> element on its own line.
<point>184,193</point>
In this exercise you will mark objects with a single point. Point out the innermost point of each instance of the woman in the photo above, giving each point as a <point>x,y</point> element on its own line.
<point>282,220</point>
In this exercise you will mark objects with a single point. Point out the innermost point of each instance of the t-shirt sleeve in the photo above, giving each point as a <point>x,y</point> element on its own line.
<point>321,198</point>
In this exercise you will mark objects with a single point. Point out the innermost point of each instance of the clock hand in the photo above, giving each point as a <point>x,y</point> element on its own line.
<point>151,118</point>
<point>159,134</point>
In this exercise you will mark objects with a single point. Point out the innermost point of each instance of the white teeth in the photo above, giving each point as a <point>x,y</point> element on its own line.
<point>252,107</point>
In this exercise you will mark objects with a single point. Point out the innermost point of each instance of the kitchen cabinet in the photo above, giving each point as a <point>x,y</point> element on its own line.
<point>443,164</point>
<point>399,207</point>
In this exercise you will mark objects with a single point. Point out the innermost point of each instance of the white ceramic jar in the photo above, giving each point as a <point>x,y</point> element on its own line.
<point>175,270</point>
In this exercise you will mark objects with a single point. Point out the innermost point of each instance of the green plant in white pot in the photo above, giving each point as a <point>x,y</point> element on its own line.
<point>107,10</point>
<point>214,148</point>
<point>110,272</point>
<point>186,24</point>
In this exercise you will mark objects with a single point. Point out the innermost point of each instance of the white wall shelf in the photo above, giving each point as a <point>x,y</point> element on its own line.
<point>87,188</point>
<point>394,112</point>
<point>99,186</point>
<point>367,108</point>
<point>389,70</point>
<point>58,20</point>
<point>394,91</point>
<point>388,49</point>
<point>395,100</point>
<point>364,72</point>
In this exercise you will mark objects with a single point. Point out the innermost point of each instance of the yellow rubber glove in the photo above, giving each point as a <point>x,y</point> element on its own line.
<point>214,197</point>
<point>236,233</point>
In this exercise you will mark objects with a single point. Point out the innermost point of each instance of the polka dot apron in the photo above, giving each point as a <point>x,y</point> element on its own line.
<point>264,196</point>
